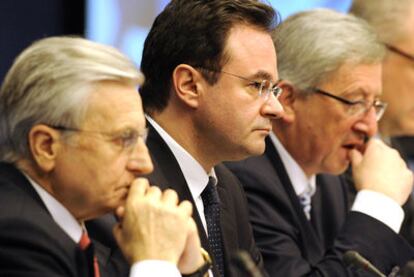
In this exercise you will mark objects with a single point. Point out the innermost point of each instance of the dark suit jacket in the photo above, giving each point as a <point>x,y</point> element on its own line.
<point>31,243</point>
<point>405,146</point>
<point>236,230</point>
<point>293,246</point>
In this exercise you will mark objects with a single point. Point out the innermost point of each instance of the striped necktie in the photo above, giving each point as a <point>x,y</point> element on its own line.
<point>85,245</point>
<point>305,201</point>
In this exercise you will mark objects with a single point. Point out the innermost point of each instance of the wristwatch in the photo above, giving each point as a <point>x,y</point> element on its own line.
<point>204,268</point>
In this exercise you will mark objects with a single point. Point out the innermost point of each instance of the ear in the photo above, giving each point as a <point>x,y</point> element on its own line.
<point>287,99</point>
<point>44,144</point>
<point>187,84</point>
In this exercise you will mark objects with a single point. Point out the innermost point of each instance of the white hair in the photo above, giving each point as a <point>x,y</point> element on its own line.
<point>50,83</point>
<point>312,45</point>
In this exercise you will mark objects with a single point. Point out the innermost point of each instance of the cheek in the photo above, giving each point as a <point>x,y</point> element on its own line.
<point>110,172</point>
<point>334,134</point>
<point>233,117</point>
<point>101,174</point>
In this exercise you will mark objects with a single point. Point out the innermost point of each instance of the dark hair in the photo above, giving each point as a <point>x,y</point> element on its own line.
<point>194,32</point>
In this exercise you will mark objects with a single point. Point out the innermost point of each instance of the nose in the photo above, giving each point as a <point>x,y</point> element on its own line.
<point>140,160</point>
<point>368,123</point>
<point>272,108</point>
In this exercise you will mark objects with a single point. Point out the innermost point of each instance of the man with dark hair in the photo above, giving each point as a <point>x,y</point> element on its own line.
<point>209,95</point>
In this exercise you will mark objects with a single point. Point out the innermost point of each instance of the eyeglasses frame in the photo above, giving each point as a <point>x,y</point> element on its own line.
<point>400,52</point>
<point>275,89</point>
<point>382,105</point>
<point>127,147</point>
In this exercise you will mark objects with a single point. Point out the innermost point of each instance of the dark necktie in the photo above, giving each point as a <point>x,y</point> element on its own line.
<point>85,245</point>
<point>211,202</point>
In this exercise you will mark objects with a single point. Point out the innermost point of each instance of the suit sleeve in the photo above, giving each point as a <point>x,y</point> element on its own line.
<point>251,246</point>
<point>279,240</point>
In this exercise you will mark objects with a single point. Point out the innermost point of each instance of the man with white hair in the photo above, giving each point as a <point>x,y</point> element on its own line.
<point>330,66</point>
<point>71,149</point>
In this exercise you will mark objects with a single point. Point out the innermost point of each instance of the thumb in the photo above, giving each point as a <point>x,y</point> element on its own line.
<point>117,231</point>
<point>355,157</point>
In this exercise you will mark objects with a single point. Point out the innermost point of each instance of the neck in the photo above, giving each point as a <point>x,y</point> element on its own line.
<point>30,168</point>
<point>287,141</point>
<point>181,128</point>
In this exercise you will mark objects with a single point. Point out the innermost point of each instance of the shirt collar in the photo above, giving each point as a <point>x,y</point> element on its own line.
<point>193,172</point>
<point>59,213</point>
<point>301,184</point>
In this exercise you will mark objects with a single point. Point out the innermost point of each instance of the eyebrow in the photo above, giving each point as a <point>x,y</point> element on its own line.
<point>130,128</point>
<point>362,92</point>
<point>264,75</point>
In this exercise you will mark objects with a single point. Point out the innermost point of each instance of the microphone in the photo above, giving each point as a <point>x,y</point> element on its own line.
<point>244,263</point>
<point>353,258</point>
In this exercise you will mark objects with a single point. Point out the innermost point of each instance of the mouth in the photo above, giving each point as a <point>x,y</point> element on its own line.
<point>360,146</point>
<point>264,129</point>
<point>124,187</point>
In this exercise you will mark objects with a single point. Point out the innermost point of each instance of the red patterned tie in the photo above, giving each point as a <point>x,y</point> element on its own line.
<point>84,243</point>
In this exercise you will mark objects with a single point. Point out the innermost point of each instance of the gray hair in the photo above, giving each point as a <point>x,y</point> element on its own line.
<point>388,17</point>
<point>312,45</point>
<point>50,83</point>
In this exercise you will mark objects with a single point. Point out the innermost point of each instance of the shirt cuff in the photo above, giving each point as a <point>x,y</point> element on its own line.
<point>154,268</point>
<point>380,207</point>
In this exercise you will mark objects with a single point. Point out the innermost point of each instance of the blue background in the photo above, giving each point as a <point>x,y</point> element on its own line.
<point>125,23</point>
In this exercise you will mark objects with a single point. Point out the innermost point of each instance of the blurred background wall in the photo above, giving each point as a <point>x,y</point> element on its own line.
<point>23,21</point>
<point>121,23</point>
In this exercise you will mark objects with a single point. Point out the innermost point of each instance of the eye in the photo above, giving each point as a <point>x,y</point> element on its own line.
<point>127,139</point>
<point>356,98</point>
<point>255,85</point>
<point>277,91</point>
<point>144,134</point>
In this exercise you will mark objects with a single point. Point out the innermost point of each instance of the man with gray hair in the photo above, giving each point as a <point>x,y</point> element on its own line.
<point>330,69</point>
<point>71,149</point>
<point>394,24</point>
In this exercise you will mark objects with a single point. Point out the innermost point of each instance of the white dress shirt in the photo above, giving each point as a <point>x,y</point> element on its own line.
<point>301,183</point>
<point>74,229</point>
<point>374,204</point>
<point>193,172</point>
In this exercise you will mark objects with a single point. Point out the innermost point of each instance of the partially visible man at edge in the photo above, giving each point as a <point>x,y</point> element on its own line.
<point>394,24</point>
<point>71,149</point>
<point>330,66</point>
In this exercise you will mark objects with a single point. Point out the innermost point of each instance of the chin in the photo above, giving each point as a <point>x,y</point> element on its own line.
<point>253,152</point>
<point>338,170</point>
<point>257,148</point>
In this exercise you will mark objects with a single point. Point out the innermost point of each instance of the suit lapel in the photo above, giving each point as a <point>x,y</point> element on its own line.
<point>329,208</point>
<point>310,239</point>
<point>167,174</point>
<point>316,211</point>
<point>227,220</point>
<point>11,173</point>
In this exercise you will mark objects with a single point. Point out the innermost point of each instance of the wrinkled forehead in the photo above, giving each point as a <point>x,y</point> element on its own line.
<point>350,78</point>
<point>113,104</point>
